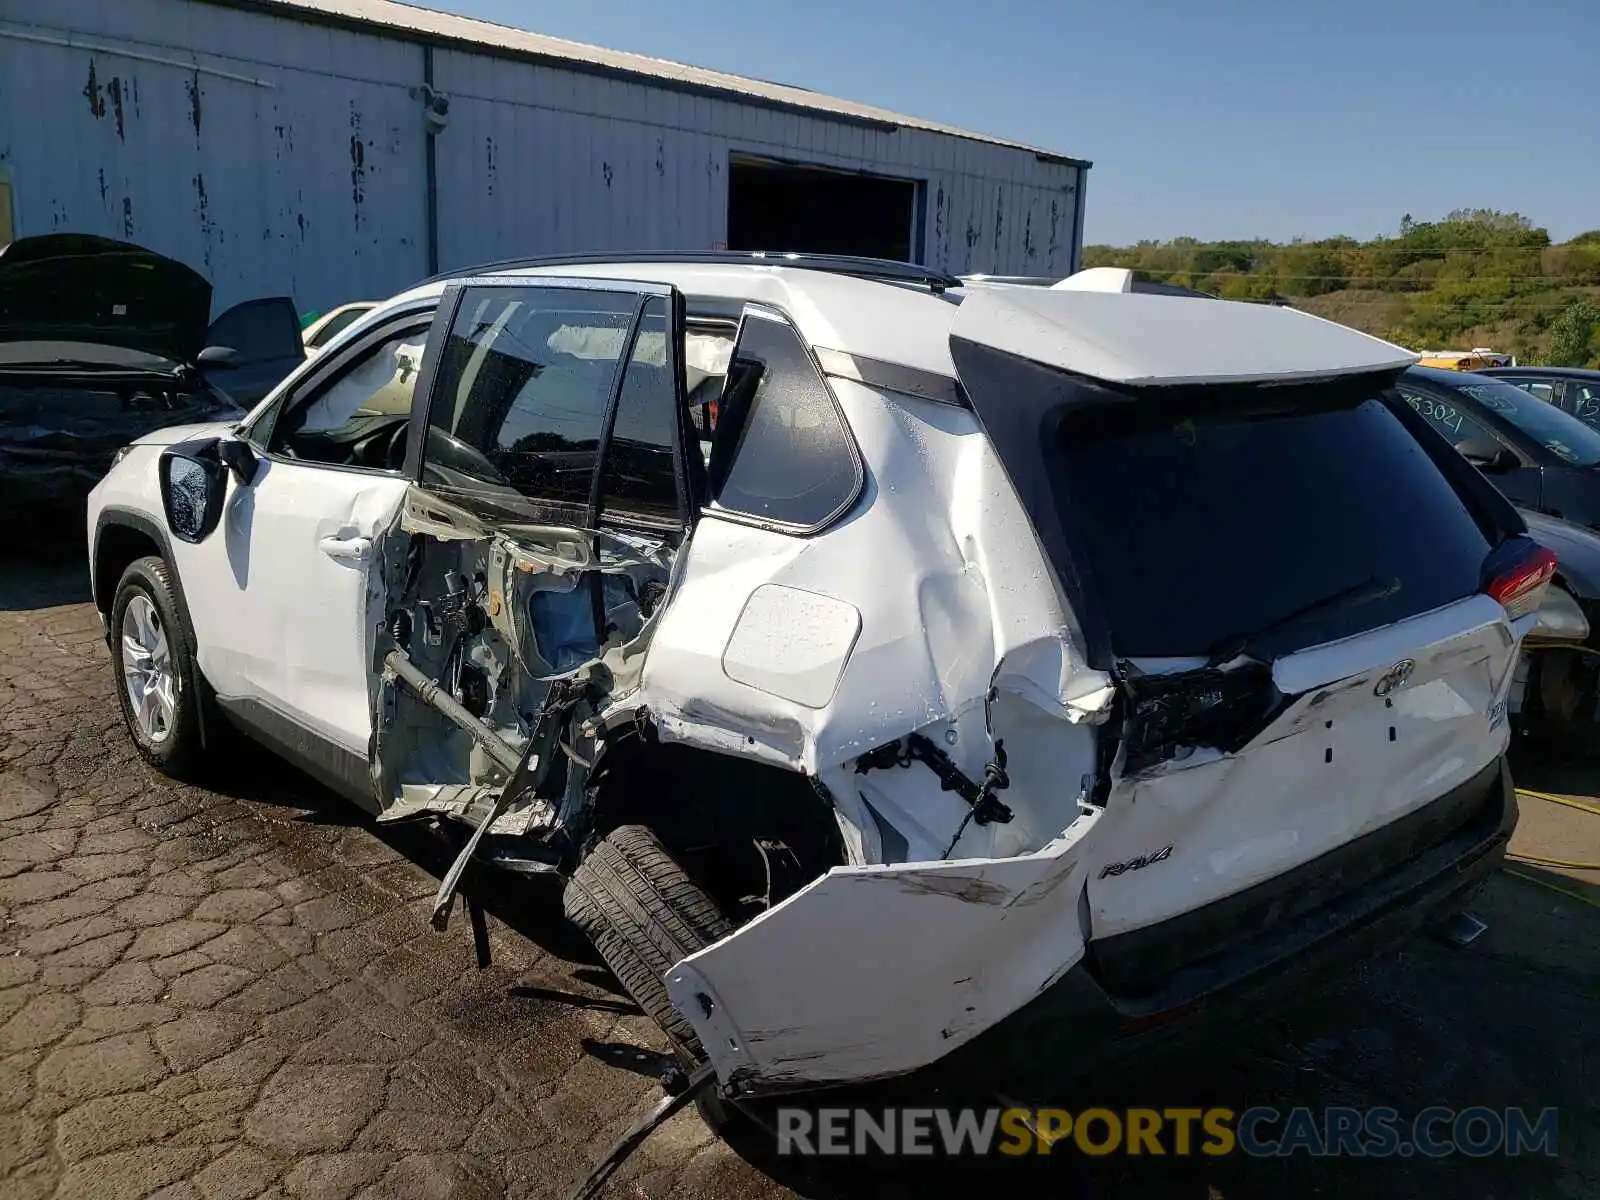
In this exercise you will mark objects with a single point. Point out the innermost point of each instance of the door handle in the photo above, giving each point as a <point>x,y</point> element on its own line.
<point>353,549</point>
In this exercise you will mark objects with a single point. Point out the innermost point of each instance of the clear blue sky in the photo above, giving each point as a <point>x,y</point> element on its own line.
<point>1215,118</point>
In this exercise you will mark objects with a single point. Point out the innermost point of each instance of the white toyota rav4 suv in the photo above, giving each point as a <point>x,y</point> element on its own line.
<point>897,672</point>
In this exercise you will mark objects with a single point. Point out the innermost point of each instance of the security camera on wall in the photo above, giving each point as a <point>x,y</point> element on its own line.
<point>435,110</point>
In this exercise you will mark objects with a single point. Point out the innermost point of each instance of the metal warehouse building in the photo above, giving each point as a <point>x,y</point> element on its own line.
<point>342,149</point>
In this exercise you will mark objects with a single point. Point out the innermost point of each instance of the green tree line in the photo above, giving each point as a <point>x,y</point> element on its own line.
<point>1478,277</point>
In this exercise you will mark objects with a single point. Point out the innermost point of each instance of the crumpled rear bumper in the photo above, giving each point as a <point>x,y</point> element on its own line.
<point>1250,951</point>
<point>1268,945</point>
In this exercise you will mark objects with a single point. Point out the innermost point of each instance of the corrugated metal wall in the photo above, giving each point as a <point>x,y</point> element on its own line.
<point>279,156</point>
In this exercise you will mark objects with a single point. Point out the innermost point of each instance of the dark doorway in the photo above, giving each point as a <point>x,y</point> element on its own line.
<point>781,206</point>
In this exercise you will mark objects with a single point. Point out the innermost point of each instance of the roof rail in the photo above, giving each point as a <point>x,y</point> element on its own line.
<point>888,270</point>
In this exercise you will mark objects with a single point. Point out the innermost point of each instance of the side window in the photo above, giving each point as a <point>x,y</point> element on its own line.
<point>640,474</point>
<point>1539,388</point>
<point>1586,403</point>
<point>781,450</point>
<point>1448,418</point>
<point>519,405</point>
<point>359,415</point>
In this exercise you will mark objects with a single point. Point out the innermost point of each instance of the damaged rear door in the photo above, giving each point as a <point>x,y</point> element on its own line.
<point>551,497</point>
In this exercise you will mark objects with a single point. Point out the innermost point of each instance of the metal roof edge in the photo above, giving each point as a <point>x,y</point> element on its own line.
<point>324,13</point>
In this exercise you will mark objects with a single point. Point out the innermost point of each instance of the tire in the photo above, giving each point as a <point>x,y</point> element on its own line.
<point>178,750</point>
<point>643,914</point>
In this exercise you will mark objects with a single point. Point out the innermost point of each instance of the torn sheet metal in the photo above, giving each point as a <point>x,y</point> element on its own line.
<point>1334,763</point>
<point>466,803</point>
<point>907,617</point>
<point>810,993</point>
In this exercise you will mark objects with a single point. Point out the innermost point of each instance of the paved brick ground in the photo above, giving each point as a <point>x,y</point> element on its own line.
<point>236,994</point>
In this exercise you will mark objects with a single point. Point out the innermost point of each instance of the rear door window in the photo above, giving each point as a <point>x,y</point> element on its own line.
<point>1203,528</point>
<point>640,472</point>
<point>524,388</point>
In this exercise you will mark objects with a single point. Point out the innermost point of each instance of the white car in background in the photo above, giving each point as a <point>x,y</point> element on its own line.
<point>332,323</point>
<point>1002,670</point>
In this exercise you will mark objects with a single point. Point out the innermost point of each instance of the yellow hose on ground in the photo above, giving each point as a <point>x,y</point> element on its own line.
<point>1561,864</point>
<point>1566,800</point>
<point>1534,860</point>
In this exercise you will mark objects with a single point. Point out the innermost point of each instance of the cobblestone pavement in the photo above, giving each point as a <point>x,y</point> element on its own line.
<point>240,995</point>
<point>236,994</point>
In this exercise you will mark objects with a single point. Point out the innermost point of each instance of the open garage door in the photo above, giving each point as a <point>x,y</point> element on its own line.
<point>788,206</point>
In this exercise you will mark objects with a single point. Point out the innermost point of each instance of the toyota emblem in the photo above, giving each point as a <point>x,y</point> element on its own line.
<point>1395,677</point>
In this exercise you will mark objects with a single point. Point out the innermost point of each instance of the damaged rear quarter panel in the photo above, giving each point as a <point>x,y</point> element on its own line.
<point>941,563</point>
<point>874,971</point>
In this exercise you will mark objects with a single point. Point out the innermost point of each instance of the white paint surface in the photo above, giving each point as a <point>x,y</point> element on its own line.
<point>1168,340</point>
<point>792,643</point>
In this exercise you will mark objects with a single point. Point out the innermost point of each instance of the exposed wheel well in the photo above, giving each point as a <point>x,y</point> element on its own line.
<point>118,545</point>
<point>749,833</point>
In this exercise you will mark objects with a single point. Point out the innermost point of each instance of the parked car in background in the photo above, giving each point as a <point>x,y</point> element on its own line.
<point>1540,457</point>
<point>1475,359</point>
<point>331,324</point>
<point>936,709</point>
<point>1571,389</point>
<point>102,341</point>
<point>1556,692</point>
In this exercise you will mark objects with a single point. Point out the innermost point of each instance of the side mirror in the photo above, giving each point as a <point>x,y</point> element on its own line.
<point>194,483</point>
<point>240,459</point>
<point>218,358</point>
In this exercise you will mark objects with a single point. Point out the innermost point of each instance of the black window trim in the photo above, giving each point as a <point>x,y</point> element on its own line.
<point>643,290</point>
<point>599,512</point>
<point>327,370</point>
<point>769,312</point>
<point>892,377</point>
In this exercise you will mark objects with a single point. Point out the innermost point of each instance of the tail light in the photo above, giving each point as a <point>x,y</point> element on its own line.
<point>1518,574</point>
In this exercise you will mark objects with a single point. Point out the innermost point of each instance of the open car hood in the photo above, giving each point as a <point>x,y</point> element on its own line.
<point>71,287</point>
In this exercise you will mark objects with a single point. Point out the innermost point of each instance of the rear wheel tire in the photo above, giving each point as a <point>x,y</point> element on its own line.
<point>158,684</point>
<point>643,914</point>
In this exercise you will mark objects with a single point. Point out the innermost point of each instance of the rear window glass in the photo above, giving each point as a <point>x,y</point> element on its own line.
<point>1199,530</point>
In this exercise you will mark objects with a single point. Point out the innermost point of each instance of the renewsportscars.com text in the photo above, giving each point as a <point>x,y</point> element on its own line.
<point>1259,1132</point>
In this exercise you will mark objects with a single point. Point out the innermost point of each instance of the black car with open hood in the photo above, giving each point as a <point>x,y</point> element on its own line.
<point>102,341</point>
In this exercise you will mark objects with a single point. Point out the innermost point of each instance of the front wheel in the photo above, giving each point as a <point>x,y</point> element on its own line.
<point>157,682</point>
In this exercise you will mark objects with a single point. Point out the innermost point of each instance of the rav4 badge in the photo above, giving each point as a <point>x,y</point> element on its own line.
<point>1137,864</point>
